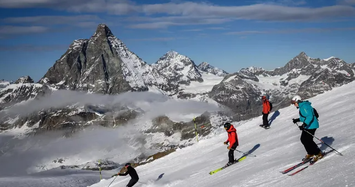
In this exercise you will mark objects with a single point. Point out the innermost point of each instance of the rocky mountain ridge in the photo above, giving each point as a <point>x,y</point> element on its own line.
<point>103,64</point>
<point>208,68</point>
<point>302,75</point>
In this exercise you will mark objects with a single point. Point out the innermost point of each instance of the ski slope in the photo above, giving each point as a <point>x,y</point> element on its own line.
<point>276,149</point>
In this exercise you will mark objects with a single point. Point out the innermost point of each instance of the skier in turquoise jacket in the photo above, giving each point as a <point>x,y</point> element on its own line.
<point>308,128</point>
<point>307,115</point>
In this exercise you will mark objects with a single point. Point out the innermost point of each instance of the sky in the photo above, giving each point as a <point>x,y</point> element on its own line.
<point>227,34</point>
<point>274,150</point>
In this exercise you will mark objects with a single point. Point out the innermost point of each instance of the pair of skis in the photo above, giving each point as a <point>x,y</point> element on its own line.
<point>265,127</point>
<point>297,166</point>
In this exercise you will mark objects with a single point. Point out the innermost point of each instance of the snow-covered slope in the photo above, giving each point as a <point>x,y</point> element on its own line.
<point>206,86</point>
<point>276,149</point>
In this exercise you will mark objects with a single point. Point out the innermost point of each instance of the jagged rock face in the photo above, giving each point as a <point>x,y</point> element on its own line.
<point>16,93</point>
<point>298,62</point>
<point>138,74</point>
<point>90,65</point>
<point>187,130</point>
<point>102,64</point>
<point>250,73</point>
<point>206,67</point>
<point>71,118</point>
<point>25,79</point>
<point>302,75</point>
<point>177,68</point>
<point>238,95</point>
<point>57,119</point>
<point>336,73</point>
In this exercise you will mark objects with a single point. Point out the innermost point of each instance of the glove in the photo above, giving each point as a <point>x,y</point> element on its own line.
<point>229,147</point>
<point>302,126</point>
<point>225,143</point>
<point>296,120</point>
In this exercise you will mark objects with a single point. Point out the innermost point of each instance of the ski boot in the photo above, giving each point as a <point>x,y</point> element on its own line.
<point>307,157</point>
<point>317,157</point>
<point>230,163</point>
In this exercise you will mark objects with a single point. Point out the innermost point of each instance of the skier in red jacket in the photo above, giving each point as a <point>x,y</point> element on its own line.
<point>265,112</point>
<point>232,140</point>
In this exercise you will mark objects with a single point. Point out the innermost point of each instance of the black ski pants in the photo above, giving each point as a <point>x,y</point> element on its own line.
<point>132,182</point>
<point>231,152</point>
<point>265,119</point>
<point>308,143</point>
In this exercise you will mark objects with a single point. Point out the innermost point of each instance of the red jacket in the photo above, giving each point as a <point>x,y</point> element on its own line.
<point>232,136</point>
<point>266,106</point>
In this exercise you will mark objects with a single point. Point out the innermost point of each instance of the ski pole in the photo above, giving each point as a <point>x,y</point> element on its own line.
<point>112,181</point>
<point>195,130</point>
<point>320,140</point>
<point>100,169</point>
<point>245,153</point>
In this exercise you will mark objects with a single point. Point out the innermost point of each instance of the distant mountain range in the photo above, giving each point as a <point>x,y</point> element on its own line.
<point>103,64</point>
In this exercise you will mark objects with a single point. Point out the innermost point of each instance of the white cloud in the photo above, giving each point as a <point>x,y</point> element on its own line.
<point>266,12</point>
<point>5,30</point>
<point>31,47</point>
<point>156,104</point>
<point>287,31</point>
<point>286,2</point>
<point>346,2</point>
<point>51,20</point>
<point>156,39</point>
<point>164,22</point>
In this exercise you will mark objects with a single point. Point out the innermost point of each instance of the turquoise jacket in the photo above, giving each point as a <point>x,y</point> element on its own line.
<point>307,115</point>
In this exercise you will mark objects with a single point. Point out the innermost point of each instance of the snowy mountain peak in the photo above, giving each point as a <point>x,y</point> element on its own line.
<point>298,62</point>
<point>77,44</point>
<point>173,56</point>
<point>102,30</point>
<point>206,67</point>
<point>252,69</point>
<point>172,53</point>
<point>101,64</point>
<point>24,79</point>
<point>176,59</point>
<point>179,69</point>
<point>302,54</point>
<point>327,59</point>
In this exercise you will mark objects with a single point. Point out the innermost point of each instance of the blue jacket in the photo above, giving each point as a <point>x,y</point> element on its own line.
<point>307,115</point>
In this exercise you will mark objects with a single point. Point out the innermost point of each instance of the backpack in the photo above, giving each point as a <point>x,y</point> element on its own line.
<point>315,113</point>
<point>271,106</point>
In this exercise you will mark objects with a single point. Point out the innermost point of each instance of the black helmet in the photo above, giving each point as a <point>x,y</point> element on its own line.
<point>127,164</point>
<point>227,126</point>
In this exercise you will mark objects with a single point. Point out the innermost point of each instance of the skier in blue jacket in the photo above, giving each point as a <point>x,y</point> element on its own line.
<point>310,124</point>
